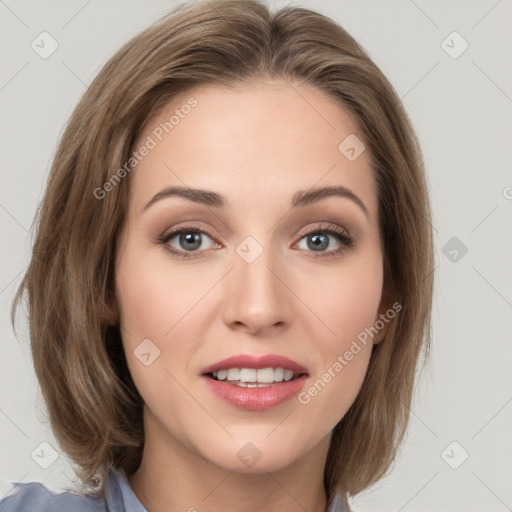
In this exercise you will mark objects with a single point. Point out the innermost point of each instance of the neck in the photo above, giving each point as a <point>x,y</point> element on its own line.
<point>173,477</point>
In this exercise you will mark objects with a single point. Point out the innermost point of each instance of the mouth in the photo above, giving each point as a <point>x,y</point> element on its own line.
<point>255,371</point>
<point>255,383</point>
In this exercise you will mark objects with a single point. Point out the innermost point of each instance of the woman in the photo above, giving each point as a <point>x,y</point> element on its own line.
<point>231,281</point>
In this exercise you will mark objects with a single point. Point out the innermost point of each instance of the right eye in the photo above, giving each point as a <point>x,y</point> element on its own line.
<point>188,239</point>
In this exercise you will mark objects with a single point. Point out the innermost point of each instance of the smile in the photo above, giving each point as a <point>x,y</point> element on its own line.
<point>252,377</point>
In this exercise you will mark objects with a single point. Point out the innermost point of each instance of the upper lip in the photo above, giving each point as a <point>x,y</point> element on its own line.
<point>257,362</point>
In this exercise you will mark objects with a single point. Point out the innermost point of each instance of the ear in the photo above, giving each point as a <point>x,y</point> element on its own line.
<point>109,313</point>
<point>384,317</point>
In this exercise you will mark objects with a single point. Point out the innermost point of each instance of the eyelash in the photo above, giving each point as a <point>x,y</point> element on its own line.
<point>340,234</point>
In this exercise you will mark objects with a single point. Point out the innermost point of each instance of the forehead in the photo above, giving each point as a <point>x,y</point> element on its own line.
<point>260,141</point>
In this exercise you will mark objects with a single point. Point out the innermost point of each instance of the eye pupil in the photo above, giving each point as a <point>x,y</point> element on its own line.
<point>318,240</point>
<point>190,238</point>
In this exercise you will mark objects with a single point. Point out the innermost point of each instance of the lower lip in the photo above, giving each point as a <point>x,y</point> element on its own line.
<point>256,399</point>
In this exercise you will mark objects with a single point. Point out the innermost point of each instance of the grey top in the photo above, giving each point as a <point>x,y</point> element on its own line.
<point>119,497</point>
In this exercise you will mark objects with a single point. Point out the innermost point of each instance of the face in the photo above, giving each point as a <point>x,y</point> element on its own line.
<point>257,268</point>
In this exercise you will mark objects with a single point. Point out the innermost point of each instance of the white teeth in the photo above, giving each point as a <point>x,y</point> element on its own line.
<point>288,374</point>
<point>278,374</point>
<point>265,375</point>
<point>251,375</point>
<point>247,375</point>
<point>233,374</point>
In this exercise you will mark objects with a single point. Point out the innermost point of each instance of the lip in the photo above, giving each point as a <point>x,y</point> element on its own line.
<point>256,362</point>
<point>255,399</point>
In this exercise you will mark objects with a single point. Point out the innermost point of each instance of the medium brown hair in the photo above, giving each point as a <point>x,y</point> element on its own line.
<point>94,407</point>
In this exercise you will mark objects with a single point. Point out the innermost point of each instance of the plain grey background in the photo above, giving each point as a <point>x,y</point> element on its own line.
<point>457,456</point>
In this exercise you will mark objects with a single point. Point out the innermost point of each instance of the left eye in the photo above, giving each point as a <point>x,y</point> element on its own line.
<point>320,241</point>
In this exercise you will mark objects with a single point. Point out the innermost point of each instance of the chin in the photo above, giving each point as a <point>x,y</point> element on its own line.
<point>256,454</point>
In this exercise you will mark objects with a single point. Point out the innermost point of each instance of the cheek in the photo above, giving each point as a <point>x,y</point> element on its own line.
<point>160,304</point>
<point>346,307</point>
<point>344,301</point>
<point>155,298</point>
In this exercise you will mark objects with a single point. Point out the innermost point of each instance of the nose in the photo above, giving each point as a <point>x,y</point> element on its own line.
<point>256,300</point>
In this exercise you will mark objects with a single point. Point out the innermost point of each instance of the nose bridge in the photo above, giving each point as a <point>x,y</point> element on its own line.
<point>255,296</point>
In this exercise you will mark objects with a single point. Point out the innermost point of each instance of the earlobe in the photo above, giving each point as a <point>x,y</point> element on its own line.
<point>382,332</point>
<point>383,319</point>
<point>109,314</point>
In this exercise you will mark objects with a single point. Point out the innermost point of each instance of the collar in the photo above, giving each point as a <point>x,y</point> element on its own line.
<point>121,498</point>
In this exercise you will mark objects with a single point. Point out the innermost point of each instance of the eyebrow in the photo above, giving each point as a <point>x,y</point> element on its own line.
<point>300,199</point>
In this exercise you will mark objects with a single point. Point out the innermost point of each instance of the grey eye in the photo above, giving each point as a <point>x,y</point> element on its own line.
<point>317,242</point>
<point>189,240</point>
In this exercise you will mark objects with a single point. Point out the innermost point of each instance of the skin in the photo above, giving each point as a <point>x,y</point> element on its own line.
<point>257,145</point>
